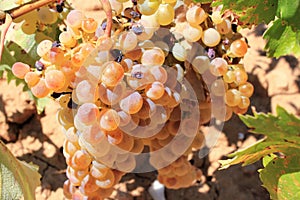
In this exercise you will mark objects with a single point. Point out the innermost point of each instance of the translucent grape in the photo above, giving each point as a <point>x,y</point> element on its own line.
<point>74,18</point>
<point>31,78</point>
<point>87,113</point>
<point>153,57</point>
<point>155,90</point>
<point>200,64</point>
<point>66,38</point>
<point>165,14</point>
<point>195,15</point>
<point>115,137</point>
<point>55,79</point>
<point>229,76</point>
<point>218,87</point>
<point>89,25</point>
<point>93,134</point>
<point>40,90</point>
<point>246,89</point>
<point>244,103</point>
<point>56,55</point>
<point>232,97</point>
<point>132,103</point>
<point>28,27</point>
<point>20,69</point>
<point>147,7</point>
<point>179,52</point>
<point>109,119</point>
<point>159,73</point>
<point>44,48</point>
<point>211,37</point>
<point>241,76</point>
<point>128,41</point>
<point>112,74</point>
<point>238,48</point>
<point>81,160</point>
<point>224,27</point>
<point>218,66</point>
<point>192,33</point>
<point>106,181</point>
<point>140,77</point>
<point>85,92</point>
<point>111,96</point>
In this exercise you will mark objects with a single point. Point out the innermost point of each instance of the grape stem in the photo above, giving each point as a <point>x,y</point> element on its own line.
<point>26,8</point>
<point>108,11</point>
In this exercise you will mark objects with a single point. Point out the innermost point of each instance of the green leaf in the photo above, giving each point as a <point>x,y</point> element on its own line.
<point>282,39</point>
<point>251,11</point>
<point>289,11</point>
<point>267,159</point>
<point>281,177</point>
<point>18,175</point>
<point>281,131</point>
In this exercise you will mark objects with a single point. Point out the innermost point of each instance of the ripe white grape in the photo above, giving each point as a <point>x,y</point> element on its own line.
<point>211,37</point>
<point>195,15</point>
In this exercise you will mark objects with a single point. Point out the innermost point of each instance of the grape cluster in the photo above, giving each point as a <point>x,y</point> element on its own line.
<point>135,101</point>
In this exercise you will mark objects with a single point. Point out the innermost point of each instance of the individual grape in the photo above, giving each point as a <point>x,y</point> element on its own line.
<point>241,76</point>
<point>232,97</point>
<point>125,118</point>
<point>179,52</point>
<point>47,16</point>
<point>87,48</point>
<point>246,89</point>
<point>165,14</point>
<point>115,136</point>
<point>20,69</point>
<point>128,41</point>
<point>229,76</point>
<point>56,55</point>
<point>31,78</point>
<point>67,39</point>
<point>140,77</point>
<point>106,181</point>
<point>74,18</point>
<point>55,79</point>
<point>155,90</point>
<point>211,37</point>
<point>112,74</point>
<point>127,143</point>
<point>28,27</point>
<point>192,33</point>
<point>244,103</point>
<point>89,25</point>
<point>109,119</point>
<point>132,103</point>
<point>111,96</point>
<point>200,64</point>
<point>93,134</point>
<point>147,29</point>
<point>238,48</point>
<point>134,54</point>
<point>218,66</point>
<point>87,113</point>
<point>40,90</point>
<point>148,109</point>
<point>218,87</point>
<point>85,92</point>
<point>224,27</point>
<point>148,7</point>
<point>216,17</point>
<point>43,48</point>
<point>153,57</point>
<point>88,185</point>
<point>159,73</point>
<point>195,15</point>
<point>81,160</point>
<point>98,170</point>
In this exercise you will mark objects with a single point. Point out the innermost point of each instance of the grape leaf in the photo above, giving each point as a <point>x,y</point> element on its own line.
<point>281,176</point>
<point>282,39</point>
<point>281,131</point>
<point>289,11</point>
<point>25,176</point>
<point>203,1</point>
<point>251,11</point>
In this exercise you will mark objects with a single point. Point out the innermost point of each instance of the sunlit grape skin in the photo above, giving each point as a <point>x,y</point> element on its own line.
<point>112,74</point>
<point>20,69</point>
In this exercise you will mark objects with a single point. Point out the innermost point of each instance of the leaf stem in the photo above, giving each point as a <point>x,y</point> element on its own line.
<point>108,11</point>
